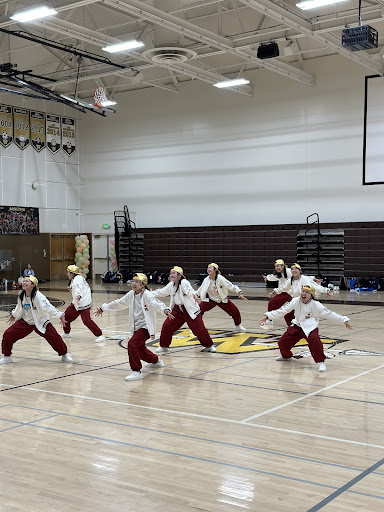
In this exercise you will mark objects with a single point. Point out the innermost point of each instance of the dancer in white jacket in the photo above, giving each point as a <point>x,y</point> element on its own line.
<point>32,314</point>
<point>142,323</point>
<point>81,304</point>
<point>305,325</point>
<point>214,292</point>
<point>184,309</point>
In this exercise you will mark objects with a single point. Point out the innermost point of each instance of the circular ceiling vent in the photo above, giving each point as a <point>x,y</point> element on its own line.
<point>169,54</point>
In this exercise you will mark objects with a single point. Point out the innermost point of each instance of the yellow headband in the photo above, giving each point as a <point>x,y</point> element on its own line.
<point>296,265</point>
<point>74,269</point>
<point>141,277</point>
<point>215,266</point>
<point>310,288</point>
<point>179,270</point>
<point>33,280</point>
<point>279,262</point>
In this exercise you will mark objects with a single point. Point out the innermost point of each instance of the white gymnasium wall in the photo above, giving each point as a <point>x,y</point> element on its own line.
<point>213,157</point>
<point>59,193</point>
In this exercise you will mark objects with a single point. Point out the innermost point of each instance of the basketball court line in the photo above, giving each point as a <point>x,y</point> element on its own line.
<point>192,457</point>
<point>311,394</point>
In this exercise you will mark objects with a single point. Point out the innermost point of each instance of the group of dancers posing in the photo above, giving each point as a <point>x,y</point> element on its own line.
<point>293,299</point>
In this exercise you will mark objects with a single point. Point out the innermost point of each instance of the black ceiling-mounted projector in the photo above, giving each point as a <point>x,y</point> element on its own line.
<point>267,51</point>
<point>358,38</point>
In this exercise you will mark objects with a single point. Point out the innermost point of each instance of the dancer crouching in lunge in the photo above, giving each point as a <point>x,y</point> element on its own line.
<point>292,288</point>
<point>216,287</point>
<point>32,314</point>
<point>81,304</point>
<point>305,325</point>
<point>184,309</point>
<point>142,323</point>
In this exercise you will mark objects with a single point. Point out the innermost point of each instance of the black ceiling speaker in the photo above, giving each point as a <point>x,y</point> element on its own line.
<point>267,51</point>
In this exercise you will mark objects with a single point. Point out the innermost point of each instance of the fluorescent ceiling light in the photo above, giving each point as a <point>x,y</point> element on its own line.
<point>312,4</point>
<point>33,14</point>
<point>231,83</point>
<point>108,103</point>
<point>125,45</point>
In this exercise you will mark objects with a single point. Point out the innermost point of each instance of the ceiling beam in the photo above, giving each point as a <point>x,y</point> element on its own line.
<point>329,41</point>
<point>163,19</point>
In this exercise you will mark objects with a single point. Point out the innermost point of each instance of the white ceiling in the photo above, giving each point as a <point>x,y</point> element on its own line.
<point>216,39</point>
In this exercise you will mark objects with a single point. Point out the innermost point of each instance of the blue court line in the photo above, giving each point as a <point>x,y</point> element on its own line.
<point>351,400</point>
<point>346,487</point>
<point>200,459</point>
<point>22,423</point>
<point>185,436</point>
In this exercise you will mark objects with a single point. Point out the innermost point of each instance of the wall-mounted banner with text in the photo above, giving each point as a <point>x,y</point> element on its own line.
<point>53,133</point>
<point>68,135</point>
<point>37,121</point>
<point>19,220</point>
<point>21,127</point>
<point>6,125</point>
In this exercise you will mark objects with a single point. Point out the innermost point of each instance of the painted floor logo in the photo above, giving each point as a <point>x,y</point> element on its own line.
<point>228,342</point>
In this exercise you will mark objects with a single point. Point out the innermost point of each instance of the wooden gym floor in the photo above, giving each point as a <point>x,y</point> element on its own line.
<point>235,430</point>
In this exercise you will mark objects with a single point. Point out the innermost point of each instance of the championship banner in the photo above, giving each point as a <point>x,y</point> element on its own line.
<point>19,220</point>
<point>21,127</point>
<point>37,121</point>
<point>53,132</point>
<point>68,135</point>
<point>6,125</point>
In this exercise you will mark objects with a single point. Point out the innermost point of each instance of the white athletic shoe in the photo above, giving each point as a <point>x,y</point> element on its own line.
<point>212,348</point>
<point>6,359</point>
<point>281,358</point>
<point>239,328</point>
<point>267,325</point>
<point>65,335</point>
<point>134,376</point>
<point>66,358</point>
<point>99,339</point>
<point>159,364</point>
<point>162,350</point>
<point>321,367</point>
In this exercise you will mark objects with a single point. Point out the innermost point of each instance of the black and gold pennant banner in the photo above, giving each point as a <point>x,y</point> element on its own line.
<point>25,128</point>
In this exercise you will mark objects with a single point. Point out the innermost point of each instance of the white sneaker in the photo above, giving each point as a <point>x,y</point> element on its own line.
<point>162,350</point>
<point>267,325</point>
<point>6,359</point>
<point>134,376</point>
<point>321,367</point>
<point>99,339</point>
<point>239,328</point>
<point>159,364</point>
<point>212,348</point>
<point>66,358</point>
<point>281,358</point>
<point>65,335</point>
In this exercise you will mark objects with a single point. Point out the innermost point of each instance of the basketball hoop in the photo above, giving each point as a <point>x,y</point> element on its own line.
<point>100,97</point>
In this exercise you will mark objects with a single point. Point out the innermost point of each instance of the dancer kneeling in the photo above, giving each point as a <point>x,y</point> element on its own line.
<point>216,287</point>
<point>32,314</point>
<point>142,323</point>
<point>305,325</point>
<point>184,309</point>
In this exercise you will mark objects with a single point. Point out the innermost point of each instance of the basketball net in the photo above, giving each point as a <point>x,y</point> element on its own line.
<point>100,97</point>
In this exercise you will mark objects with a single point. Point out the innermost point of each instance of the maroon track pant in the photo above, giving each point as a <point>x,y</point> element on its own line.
<point>279,300</point>
<point>181,316</point>
<point>71,314</point>
<point>137,350</point>
<point>295,333</point>
<point>228,307</point>
<point>21,329</point>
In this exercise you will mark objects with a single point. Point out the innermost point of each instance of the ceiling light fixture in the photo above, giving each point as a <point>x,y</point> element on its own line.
<point>231,83</point>
<point>125,45</point>
<point>33,14</point>
<point>312,4</point>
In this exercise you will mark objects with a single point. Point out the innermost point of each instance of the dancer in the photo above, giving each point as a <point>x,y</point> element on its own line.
<point>81,304</point>
<point>32,314</point>
<point>216,287</point>
<point>292,288</point>
<point>281,275</point>
<point>184,309</point>
<point>305,325</point>
<point>142,323</point>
